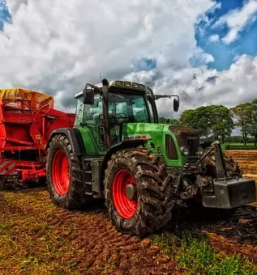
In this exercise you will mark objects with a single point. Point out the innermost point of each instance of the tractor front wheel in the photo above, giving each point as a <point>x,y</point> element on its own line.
<point>138,192</point>
<point>64,175</point>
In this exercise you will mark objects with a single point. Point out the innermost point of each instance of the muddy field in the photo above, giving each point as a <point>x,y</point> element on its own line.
<point>38,238</point>
<point>247,160</point>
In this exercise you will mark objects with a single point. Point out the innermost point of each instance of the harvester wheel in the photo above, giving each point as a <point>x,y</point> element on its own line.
<point>138,192</point>
<point>64,175</point>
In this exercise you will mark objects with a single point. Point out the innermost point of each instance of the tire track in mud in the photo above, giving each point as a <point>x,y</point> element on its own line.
<point>236,234</point>
<point>93,246</point>
<point>85,241</point>
<point>101,247</point>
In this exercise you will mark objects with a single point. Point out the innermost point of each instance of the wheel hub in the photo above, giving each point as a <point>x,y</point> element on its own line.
<point>60,173</point>
<point>124,194</point>
<point>131,192</point>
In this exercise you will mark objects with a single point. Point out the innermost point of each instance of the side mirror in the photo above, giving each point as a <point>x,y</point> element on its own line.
<point>175,104</point>
<point>89,96</point>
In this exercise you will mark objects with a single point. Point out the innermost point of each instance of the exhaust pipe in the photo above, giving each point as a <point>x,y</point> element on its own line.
<point>107,135</point>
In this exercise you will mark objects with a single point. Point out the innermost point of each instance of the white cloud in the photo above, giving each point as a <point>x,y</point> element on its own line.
<point>15,5</point>
<point>58,49</point>
<point>56,46</point>
<point>237,20</point>
<point>202,57</point>
<point>202,86</point>
<point>214,38</point>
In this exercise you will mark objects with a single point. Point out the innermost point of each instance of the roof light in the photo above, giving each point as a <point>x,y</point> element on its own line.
<point>127,84</point>
<point>119,83</point>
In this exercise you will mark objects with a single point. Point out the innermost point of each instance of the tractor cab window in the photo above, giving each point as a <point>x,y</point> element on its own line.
<point>92,113</point>
<point>123,108</point>
<point>140,111</point>
<point>126,108</point>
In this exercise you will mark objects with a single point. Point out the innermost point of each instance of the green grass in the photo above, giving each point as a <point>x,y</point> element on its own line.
<point>198,257</point>
<point>238,146</point>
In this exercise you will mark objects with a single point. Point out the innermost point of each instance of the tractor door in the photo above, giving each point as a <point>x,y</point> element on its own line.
<point>122,108</point>
<point>90,117</point>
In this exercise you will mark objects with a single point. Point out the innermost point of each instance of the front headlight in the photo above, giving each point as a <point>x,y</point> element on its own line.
<point>184,150</point>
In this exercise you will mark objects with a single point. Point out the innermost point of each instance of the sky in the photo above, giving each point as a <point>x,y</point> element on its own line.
<point>205,51</point>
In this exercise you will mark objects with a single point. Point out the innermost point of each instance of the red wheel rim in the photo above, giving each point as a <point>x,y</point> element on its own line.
<point>60,173</point>
<point>124,206</point>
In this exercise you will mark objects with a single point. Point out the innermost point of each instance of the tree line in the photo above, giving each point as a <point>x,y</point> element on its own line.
<point>218,121</point>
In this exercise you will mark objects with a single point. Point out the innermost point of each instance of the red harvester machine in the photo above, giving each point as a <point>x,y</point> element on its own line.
<point>26,120</point>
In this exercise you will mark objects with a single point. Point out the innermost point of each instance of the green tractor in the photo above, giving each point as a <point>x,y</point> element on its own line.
<point>118,151</point>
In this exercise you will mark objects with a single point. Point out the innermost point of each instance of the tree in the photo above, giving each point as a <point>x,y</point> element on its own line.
<point>244,112</point>
<point>163,120</point>
<point>196,119</point>
<point>172,121</point>
<point>253,129</point>
<point>209,120</point>
<point>220,121</point>
<point>189,119</point>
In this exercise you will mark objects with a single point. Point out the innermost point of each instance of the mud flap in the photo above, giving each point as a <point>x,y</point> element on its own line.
<point>229,193</point>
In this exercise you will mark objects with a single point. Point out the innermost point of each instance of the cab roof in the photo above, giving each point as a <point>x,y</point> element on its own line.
<point>124,85</point>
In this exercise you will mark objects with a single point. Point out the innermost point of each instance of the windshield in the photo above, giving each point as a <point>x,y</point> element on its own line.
<point>122,107</point>
<point>132,107</point>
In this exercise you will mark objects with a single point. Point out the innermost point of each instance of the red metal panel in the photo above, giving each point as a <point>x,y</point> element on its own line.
<point>26,123</point>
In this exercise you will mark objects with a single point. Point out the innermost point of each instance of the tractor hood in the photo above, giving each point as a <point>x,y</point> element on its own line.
<point>156,136</point>
<point>151,131</point>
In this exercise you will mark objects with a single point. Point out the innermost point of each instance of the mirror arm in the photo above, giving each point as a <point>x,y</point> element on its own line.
<point>94,87</point>
<point>156,97</point>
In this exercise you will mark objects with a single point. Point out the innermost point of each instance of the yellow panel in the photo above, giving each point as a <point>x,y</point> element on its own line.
<point>35,100</point>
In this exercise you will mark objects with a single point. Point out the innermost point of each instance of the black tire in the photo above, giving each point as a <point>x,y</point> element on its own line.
<point>154,191</point>
<point>75,197</point>
<point>231,165</point>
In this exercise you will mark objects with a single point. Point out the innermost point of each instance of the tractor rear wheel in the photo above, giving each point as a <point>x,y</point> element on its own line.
<point>138,192</point>
<point>64,175</point>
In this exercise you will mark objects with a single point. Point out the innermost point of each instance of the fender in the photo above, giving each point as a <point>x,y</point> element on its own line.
<point>115,148</point>
<point>74,137</point>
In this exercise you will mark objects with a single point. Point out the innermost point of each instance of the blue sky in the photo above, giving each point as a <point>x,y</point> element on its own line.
<point>224,54</point>
<point>4,14</point>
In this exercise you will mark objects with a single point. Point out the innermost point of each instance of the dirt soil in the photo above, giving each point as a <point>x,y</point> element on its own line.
<point>44,239</point>
<point>247,160</point>
<point>37,237</point>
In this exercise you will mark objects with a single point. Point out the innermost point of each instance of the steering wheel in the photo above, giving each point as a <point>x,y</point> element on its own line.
<point>115,119</point>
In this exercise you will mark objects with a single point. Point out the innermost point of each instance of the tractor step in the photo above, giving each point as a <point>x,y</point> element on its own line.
<point>91,168</point>
<point>88,177</point>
